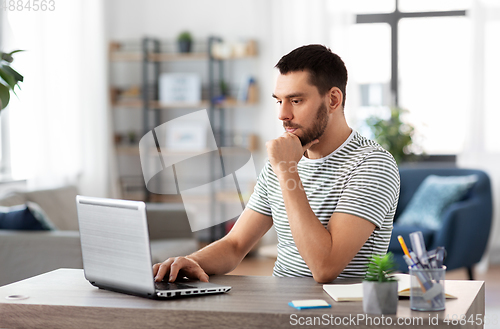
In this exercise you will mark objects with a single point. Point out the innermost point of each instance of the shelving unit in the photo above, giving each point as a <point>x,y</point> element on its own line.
<point>138,104</point>
<point>143,101</point>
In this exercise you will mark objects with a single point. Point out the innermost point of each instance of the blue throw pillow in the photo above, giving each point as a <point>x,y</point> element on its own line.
<point>432,197</point>
<point>24,217</point>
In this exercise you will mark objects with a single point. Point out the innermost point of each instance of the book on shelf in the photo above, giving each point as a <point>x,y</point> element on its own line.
<point>247,92</point>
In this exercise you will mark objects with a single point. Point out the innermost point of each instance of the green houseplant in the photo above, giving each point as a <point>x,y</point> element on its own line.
<point>393,134</point>
<point>380,287</point>
<point>185,41</point>
<point>9,78</point>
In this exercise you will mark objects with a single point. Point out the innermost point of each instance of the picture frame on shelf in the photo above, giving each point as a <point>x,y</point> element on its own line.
<point>179,88</point>
<point>187,136</point>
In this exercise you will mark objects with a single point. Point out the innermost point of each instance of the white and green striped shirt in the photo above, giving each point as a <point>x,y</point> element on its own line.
<point>358,178</point>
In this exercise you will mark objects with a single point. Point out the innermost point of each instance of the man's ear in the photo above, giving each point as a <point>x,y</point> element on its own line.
<point>335,98</point>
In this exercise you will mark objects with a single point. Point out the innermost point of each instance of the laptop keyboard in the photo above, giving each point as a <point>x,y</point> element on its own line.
<point>172,286</point>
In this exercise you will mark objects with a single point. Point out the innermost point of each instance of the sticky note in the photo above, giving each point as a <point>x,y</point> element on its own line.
<point>309,303</point>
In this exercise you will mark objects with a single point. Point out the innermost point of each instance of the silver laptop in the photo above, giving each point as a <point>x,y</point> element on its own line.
<point>116,251</point>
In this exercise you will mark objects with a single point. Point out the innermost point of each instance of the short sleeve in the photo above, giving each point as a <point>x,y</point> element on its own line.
<point>372,189</point>
<point>259,200</point>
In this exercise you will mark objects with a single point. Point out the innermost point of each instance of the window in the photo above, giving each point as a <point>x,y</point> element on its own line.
<point>429,56</point>
<point>434,79</point>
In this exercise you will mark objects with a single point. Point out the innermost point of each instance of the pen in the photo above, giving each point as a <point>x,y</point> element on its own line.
<point>409,259</point>
<point>421,279</point>
<point>418,246</point>
<point>440,255</point>
<point>425,283</point>
<point>436,257</point>
<point>415,260</point>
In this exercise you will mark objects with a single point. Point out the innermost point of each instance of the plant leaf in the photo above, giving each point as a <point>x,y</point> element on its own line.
<point>7,77</point>
<point>16,51</point>
<point>381,268</point>
<point>14,73</point>
<point>4,96</point>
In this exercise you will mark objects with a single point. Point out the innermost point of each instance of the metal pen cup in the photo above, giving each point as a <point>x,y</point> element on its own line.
<point>427,289</point>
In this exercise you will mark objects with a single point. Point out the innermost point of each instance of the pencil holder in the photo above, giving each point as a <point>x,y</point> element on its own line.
<point>427,289</point>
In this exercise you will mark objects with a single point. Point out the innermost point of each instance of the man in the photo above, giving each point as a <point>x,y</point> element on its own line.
<point>330,192</point>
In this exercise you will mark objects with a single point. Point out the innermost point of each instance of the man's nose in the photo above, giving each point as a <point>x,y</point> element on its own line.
<point>285,112</point>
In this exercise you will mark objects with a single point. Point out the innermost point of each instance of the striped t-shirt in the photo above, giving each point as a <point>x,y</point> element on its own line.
<point>358,178</point>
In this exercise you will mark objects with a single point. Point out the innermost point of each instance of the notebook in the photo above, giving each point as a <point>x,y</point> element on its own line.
<point>354,292</point>
<point>116,251</point>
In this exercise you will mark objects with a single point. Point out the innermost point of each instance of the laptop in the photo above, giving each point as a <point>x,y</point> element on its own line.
<point>117,255</point>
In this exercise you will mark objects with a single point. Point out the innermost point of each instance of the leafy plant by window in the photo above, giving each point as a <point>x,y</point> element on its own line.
<point>381,268</point>
<point>393,134</point>
<point>9,78</point>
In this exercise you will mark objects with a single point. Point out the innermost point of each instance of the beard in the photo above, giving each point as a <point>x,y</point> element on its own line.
<point>318,128</point>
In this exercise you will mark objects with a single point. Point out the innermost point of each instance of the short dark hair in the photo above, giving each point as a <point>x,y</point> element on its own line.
<point>326,69</point>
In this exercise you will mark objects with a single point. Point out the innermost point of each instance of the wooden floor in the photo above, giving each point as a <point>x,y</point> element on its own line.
<point>264,266</point>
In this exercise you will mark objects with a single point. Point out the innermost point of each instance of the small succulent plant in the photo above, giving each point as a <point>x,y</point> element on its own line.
<point>381,268</point>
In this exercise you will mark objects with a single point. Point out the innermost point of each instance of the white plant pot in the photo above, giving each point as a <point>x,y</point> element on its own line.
<point>380,297</point>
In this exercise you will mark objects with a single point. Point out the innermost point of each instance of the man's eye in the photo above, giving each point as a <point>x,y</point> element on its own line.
<point>295,101</point>
<point>278,102</point>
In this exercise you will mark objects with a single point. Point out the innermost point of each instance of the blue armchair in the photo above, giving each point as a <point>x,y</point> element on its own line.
<point>466,223</point>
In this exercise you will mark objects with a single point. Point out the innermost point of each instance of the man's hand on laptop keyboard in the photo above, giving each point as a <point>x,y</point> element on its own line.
<point>173,266</point>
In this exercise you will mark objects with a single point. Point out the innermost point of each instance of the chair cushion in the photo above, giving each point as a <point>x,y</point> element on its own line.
<point>405,231</point>
<point>431,199</point>
<point>24,217</point>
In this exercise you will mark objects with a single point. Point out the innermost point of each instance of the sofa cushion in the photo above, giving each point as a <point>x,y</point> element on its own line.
<point>405,231</point>
<point>432,197</point>
<point>24,217</point>
<point>59,204</point>
<point>13,199</point>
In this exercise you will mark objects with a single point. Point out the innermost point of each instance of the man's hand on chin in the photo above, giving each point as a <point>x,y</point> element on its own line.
<point>285,152</point>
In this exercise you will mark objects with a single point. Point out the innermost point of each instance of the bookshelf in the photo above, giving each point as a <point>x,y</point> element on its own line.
<point>135,99</point>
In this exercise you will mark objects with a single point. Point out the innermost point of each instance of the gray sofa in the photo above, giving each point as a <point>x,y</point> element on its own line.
<point>27,253</point>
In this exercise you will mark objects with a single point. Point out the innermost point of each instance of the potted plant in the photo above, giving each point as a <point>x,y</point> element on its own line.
<point>380,287</point>
<point>9,78</point>
<point>185,41</point>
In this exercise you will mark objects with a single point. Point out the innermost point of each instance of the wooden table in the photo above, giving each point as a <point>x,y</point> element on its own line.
<point>64,299</point>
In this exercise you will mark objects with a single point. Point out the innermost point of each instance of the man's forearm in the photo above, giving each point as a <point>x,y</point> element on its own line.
<point>219,257</point>
<point>313,241</point>
<point>225,254</point>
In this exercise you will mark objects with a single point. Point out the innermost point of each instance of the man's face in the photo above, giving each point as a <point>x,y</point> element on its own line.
<point>301,108</point>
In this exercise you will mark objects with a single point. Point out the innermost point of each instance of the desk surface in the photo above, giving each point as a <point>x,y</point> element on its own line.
<point>64,299</point>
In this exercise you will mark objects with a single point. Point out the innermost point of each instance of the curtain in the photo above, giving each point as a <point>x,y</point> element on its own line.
<point>60,124</point>
<point>482,149</point>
